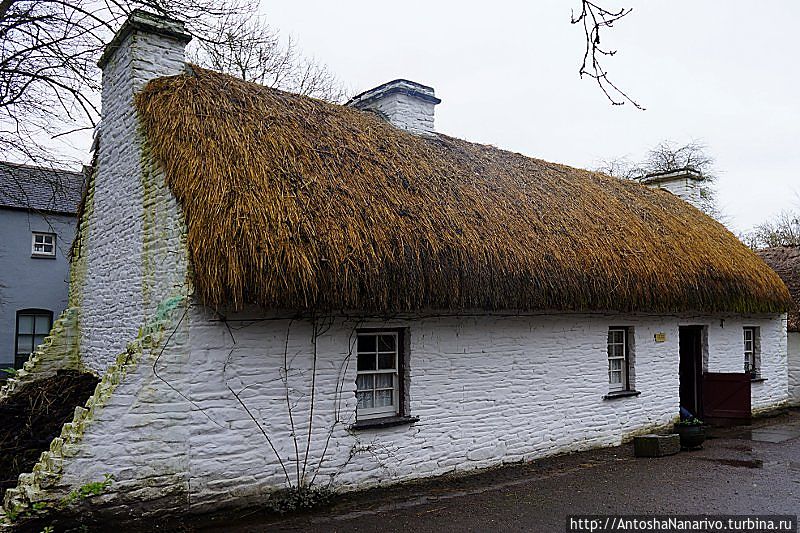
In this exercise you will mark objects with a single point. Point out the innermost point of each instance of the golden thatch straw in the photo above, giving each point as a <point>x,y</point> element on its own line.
<point>295,203</point>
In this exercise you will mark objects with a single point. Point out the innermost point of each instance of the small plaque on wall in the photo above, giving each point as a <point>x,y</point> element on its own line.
<point>660,337</point>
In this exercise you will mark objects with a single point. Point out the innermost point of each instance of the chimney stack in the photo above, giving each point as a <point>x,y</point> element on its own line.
<point>683,183</point>
<point>404,104</point>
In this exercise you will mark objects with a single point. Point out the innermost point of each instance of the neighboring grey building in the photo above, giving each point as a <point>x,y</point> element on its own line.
<point>38,209</point>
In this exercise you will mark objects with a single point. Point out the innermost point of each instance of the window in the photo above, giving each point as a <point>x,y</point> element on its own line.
<point>33,325</point>
<point>43,244</point>
<point>379,379</point>
<point>620,364</point>
<point>752,348</point>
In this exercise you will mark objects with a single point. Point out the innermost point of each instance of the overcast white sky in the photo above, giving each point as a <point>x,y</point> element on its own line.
<point>720,71</point>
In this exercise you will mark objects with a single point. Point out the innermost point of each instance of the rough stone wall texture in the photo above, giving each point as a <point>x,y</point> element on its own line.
<point>59,351</point>
<point>794,367</point>
<point>487,390</point>
<point>406,112</point>
<point>726,343</point>
<point>685,188</point>
<point>131,262</point>
<point>127,204</point>
<point>76,458</point>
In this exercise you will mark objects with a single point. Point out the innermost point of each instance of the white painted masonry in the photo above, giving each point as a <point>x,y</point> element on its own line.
<point>685,184</point>
<point>114,289</point>
<point>794,366</point>
<point>404,104</point>
<point>486,389</point>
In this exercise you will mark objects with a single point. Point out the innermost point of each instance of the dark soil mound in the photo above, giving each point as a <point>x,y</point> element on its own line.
<point>32,417</point>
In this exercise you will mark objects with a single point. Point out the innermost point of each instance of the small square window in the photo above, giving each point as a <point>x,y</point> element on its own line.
<point>43,244</point>
<point>379,379</point>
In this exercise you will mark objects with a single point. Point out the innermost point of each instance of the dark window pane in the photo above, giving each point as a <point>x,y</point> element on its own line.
<point>24,344</point>
<point>385,361</point>
<point>384,381</point>
<point>364,382</point>
<point>42,323</point>
<point>25,324</point>
<point>366,343</point>
<point>386,343</point>
<point>366,361</point>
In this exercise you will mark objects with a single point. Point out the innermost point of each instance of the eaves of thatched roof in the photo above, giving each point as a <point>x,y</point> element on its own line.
<point>785,260</point>
<point>294,203</point>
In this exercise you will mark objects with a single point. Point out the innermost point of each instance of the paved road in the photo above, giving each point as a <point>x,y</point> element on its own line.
<point>740,471</point>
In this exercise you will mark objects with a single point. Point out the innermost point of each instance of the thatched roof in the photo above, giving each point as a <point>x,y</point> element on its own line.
<point>785,260</point>
<point>295,203</point>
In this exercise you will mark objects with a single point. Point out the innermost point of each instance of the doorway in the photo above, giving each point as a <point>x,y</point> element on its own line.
<point>691,368</point>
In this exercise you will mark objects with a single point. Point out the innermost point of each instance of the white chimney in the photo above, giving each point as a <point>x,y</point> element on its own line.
<point>683,183</point>
<point>126,188</point>
<point>404,104</point>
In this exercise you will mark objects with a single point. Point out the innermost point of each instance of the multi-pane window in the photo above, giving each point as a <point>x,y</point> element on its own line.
<point>618,364</point>
<point>378,378</point>
<point>32,327</point>
<point>43,244</point>
<point>751,355</point>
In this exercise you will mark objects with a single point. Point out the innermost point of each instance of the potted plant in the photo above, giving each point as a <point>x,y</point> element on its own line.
<point>691,432</point>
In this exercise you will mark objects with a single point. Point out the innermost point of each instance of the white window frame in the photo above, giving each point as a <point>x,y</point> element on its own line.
<point>623,385</point>
<point>44,237</point>
<point>752,359</point>
<point>366,413</point>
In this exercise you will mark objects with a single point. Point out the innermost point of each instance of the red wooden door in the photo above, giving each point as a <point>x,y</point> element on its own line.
<point>726,397</point>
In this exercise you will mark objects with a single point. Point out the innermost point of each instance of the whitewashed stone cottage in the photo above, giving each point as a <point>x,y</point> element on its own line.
<point>281,292</point>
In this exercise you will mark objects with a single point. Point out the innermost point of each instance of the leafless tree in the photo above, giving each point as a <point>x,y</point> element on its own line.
<point>783,230</point>
<point>667,156</point>
<point>49,81</point>
<point>595,18</point>
<point>247,47</point>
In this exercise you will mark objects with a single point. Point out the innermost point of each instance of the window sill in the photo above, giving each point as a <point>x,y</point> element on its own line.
<point>42,256</point>
<point>758,379</point>
<point>621,394</point>
<point>385,422</point>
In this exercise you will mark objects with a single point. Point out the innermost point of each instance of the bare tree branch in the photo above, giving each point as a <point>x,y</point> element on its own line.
<point>668,156</point>
<point>595,18</point>
<point>247,47</point>
<point>50,83</point>
<point>783,230</point>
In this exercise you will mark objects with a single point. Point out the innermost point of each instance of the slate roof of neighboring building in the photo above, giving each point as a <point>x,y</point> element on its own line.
<point>785,260</point>
<point>40,188</point>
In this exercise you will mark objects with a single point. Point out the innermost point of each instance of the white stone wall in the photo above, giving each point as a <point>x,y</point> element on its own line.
<point>122,269</point>
<point>487,390</point>
<point>794,367</point>
<point>685,188</point>
<point>726,342</point>
<point>406,112</point>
